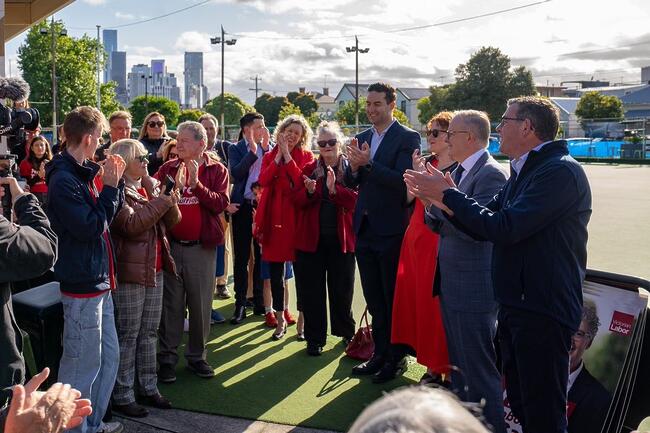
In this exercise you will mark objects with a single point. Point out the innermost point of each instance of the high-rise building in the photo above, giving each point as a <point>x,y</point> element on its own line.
<point>118,74</point>
<point>139,77</point>
<point>110,45</point>
<point>158,82</point>
<point>196,93</point>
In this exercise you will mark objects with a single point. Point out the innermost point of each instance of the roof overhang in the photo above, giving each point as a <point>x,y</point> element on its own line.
<point>20,15</point>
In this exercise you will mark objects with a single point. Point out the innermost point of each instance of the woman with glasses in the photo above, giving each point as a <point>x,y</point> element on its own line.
<point>169,150</point>
<point>325,239</point>
<point>153,135</point>
<point>275,218</point>
<point>142,252</point>
<point>417,320</point>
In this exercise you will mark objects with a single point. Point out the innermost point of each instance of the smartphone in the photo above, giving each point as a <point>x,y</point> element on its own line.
<point>170,183</point>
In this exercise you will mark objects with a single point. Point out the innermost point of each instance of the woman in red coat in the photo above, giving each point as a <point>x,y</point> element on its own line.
<point>275,219</point>
<point>325,242</point>
<point>417,319</point>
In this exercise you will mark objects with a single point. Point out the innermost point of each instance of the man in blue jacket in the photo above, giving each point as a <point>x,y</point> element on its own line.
<point>80,216</point>
<point>538,224</point>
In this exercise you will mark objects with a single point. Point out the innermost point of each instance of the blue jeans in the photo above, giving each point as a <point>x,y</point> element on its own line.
<point>90,353</point>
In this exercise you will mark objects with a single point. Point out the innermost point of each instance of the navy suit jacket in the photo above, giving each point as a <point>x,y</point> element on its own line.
<point>240,160</point>
<point>382,192</point>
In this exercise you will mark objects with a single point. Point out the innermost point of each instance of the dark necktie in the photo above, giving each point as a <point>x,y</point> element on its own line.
<point>458,174</point>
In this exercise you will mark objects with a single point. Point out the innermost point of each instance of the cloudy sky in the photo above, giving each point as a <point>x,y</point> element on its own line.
<point>413,43</point>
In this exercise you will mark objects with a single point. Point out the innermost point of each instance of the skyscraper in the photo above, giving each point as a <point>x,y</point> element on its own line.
<point>196,93</point>
<point>118,74</point>
<point>138,79</point>
<point>110,45</point>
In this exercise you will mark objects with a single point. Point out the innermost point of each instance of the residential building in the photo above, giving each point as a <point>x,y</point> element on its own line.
<point>326,103</point>
<point>347,93</point>
<point>196,93</point>
<point>407,101</point>
<point>110,44</point>
<point>568,119</point>
<point>551,91</point>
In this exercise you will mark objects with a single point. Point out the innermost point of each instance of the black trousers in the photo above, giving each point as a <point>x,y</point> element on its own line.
<point>378,258</point>
<point>276,270</point>
<point>326,273</point>
<point>242,232</point>
<point>535,356</point>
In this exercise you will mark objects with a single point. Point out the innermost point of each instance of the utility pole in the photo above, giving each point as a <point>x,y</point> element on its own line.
<point>356,50</point>
<point>256,89</point>
<point>63,32</point>
<point>99,86</point>
<point>222,40</point>
<point>146,93</point>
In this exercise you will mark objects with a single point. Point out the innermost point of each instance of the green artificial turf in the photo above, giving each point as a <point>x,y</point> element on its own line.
<point>276,381</point>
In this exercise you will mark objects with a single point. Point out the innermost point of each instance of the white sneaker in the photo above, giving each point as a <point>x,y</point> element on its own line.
<point>186,326</point>
<point>111,427</point>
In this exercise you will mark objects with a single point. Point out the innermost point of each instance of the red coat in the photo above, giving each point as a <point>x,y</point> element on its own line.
<point>308,206</point>
<point>275,219</point>
<point>212,192</point>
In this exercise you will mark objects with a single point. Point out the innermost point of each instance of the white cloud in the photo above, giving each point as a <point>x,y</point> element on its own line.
<point>193,41</point>
<point>95,2</point>
<point>123,16</point>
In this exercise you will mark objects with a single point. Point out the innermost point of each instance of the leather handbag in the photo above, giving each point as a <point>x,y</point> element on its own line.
<point>362,345</point>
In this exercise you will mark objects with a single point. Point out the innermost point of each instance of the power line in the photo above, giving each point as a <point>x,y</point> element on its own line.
<point>162,16</point>
<point>407,29</point>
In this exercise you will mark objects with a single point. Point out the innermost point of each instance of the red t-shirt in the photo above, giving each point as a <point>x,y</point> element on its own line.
<point>143,192</point>
<point>189,228</point>
<point>27,171</point>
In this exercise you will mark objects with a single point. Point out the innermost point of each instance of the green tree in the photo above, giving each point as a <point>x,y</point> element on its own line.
<point>345,114</point>
<point>595,105</point>
<point>141,106</point>
<point>314,120</point>
<point>190,114</point>
<point>485,83</point>
<point>288,110</point>
<point>270,106</point>
<point>401,117</point>
<point>76,64</point>
<point>433,104</point>
<point>109,103</point>
<point>234,108</point>
<point>304,101</point>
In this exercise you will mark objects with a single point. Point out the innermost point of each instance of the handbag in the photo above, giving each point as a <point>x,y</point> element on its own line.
<point>362,345</point>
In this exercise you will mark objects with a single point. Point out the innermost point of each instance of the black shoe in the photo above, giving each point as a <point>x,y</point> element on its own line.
<point>132,409</point>
<point>238,316</point>
<point>259,311</point>
<point>371,366</point>
<point>314,349</point>
<point>167,373</point>
<point>201,368</point>
<point>250,303</point>
<point>222,291</point>
<point>390,371</point>
<point>156,400</point>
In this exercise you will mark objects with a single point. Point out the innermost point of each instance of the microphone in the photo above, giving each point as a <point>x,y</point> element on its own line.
<point>13,88</point>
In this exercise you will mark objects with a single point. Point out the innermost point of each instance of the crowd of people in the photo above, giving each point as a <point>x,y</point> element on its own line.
<point>447,246</point>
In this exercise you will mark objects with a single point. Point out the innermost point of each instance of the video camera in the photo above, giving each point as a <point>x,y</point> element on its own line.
<point>13,122</point>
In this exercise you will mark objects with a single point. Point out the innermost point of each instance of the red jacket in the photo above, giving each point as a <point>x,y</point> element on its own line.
<point>212,192</point>
<point>308,206</point>
<point>275,219</point>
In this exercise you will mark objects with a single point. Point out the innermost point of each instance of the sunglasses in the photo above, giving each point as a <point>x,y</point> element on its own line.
<point>435,132</point>
<point>325,143</point>
<point>142,158</point>
<point>154,124</point>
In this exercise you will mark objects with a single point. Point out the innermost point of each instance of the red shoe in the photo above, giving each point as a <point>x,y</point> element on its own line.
<point>289,318</point>
<point>270,320</point>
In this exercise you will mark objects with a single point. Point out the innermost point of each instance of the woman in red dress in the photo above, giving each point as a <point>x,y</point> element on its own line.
<point>417,320</point>
<point>275,219</point>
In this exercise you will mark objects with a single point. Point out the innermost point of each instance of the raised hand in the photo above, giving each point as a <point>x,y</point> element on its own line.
<point>113,167</point>
<point>330,182</point>
<point>266,138</point>
<point>180,175</point>
<point>310,184</point>
<point>418,162</point>
<point>193,172</point>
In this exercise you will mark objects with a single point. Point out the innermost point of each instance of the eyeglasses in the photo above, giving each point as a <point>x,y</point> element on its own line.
<point>142,158</point>
<point>451,134</point>
<point>516,119</point>
<point>154,124</point>
<point>582,334</point>
<point>325,143</point>
<point>172,155</point>
<point>436,132</point>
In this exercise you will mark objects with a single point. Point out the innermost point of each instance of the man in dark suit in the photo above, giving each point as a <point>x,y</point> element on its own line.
<point>538,224</point>
<point>588,400</point>
<point>378,158</point>
<point>245,162</point>
<point>464,280</point>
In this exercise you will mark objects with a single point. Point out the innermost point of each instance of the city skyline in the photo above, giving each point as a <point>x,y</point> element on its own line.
<point>302,44</point>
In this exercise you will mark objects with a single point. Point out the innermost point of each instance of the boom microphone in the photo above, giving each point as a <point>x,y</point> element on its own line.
<point>14,88</point>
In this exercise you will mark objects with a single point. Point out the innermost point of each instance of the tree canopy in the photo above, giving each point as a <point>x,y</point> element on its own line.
<point>190,114</point>
<point>595,105</point>
<point>76,72</point>
<point>270,107</point>
<point>141,106</point>
<point>234,108</point>
<point>287,110</point>
<point>345,114</point>
<point>305,102</point>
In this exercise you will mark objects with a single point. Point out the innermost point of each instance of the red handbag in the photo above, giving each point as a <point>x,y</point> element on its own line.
<point>362,345</point>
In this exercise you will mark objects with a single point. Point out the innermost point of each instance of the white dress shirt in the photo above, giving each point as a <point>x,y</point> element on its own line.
<point>470,162</point>
<point>574,375</point>
<point>377,138</point>
<point>518,163</point>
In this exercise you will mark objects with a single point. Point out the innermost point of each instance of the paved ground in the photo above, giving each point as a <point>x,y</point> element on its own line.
<point>179,421</point>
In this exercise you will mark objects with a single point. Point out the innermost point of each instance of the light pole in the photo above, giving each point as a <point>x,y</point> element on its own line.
<point>99,86</point>
<point>222,40</point>
<point>63,32</point>
<point>356,50</point>
<point>146,92</point>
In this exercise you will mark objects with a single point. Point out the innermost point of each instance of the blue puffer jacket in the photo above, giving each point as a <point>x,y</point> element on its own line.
<point>79,220</point>
<point>538,224</point>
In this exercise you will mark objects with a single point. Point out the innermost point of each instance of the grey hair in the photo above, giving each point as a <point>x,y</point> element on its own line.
<point>195,128</point>
<point>416,410</point>
<point>128,149</point>
<point>331,127</point>
<point>478,121</point>
<point>590,316</point>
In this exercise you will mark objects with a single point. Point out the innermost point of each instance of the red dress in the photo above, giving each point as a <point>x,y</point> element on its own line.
<point>417,319</point>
